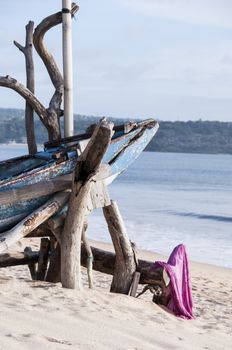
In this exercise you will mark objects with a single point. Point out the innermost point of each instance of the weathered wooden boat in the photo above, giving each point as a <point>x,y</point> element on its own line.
<point>28,182</point>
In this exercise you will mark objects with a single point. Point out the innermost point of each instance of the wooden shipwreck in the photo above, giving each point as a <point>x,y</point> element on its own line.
<point>50,194</point>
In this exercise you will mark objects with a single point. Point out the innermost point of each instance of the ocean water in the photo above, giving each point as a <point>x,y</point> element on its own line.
<point>172,198</point>
<point>169,198</point>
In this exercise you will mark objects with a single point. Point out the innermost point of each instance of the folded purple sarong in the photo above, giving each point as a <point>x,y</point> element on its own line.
<point>180,302</point>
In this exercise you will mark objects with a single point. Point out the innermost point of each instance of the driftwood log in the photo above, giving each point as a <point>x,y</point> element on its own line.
<point>86,168</point>
<point>50,117</point>
<point>125,264</point>
<point>27,50</point>
<point>53,274</point>
<point>104,261</point>
<point>14,259</point>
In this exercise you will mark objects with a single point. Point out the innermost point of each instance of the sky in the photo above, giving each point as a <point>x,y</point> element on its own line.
<point>165,59</point>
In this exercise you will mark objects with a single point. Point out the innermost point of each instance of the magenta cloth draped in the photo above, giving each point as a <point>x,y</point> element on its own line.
<point>177,268</point>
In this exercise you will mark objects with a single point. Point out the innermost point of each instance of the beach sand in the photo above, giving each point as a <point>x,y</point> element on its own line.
<point>40,315</point>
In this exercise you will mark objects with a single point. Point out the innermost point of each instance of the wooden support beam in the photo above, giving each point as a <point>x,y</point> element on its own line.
<point>32,265</point>
<point>32,221</point>
<point>90,255</point>
<point>39,232</point>
<point>71,238</point>
<point>135,284</point>
<point>43,259</point>
<point>104,262</point>
<point>57,221</point>
<point>53,274</point>
<point>86,168</point>
<point>14,259</point>
<point>125,265</point>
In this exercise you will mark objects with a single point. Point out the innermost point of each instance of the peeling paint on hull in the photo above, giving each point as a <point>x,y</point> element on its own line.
<point>24,171</point>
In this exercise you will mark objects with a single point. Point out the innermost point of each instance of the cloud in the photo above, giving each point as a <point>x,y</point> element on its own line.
<point>204,12</point>
<point>226,59</point>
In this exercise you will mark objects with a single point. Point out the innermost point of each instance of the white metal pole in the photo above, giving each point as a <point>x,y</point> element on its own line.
<point>67,68</point>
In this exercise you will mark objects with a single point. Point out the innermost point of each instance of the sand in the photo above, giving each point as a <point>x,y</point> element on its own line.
<point>40,315</point>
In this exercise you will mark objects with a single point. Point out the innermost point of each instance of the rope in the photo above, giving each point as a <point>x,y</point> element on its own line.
<point>156,290</point>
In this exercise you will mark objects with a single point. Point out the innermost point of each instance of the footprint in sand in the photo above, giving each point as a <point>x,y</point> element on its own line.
<point>54,340</point>
<point>32,336</point>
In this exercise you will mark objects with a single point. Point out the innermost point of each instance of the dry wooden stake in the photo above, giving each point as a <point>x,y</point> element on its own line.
<point>27,50</point>
<point>90,255</point>
<point>135,284</point>
<point>125,265</point>
<point>53,274</point>
<point>32,265</point>
<point>43,259</point>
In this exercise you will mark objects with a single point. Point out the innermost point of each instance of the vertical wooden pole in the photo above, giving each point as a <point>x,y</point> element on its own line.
<point>125,265</point>
<point>67,68</point>
<point>53,274</point>
<point>29,113</point>
<point>89,253</point>
<point>71,237</point>
<point>30,75</point>
<point>135,284</point>
<point>43,259</point>
<point>32,266</point>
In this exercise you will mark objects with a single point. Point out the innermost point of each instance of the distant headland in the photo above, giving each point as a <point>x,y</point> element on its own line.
<point>186,137</point>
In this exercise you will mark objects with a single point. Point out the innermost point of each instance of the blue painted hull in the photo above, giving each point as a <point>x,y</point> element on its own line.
<point>21,172</point>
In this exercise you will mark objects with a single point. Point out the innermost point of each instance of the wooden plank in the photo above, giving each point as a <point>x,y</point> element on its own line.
<point>32,221</point>
<point>35,190</point>
<point>99,196</point>
<point>57,221</point>
<point>122,127</point>
<point>135,283</point>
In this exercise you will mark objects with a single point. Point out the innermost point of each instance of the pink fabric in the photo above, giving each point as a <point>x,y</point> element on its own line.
<point>181,296</point>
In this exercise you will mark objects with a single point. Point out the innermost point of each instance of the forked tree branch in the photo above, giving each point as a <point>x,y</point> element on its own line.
<point>48,60</point>
<point>30,75</point>
<point>49,116</point>
<point>13,84</point>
